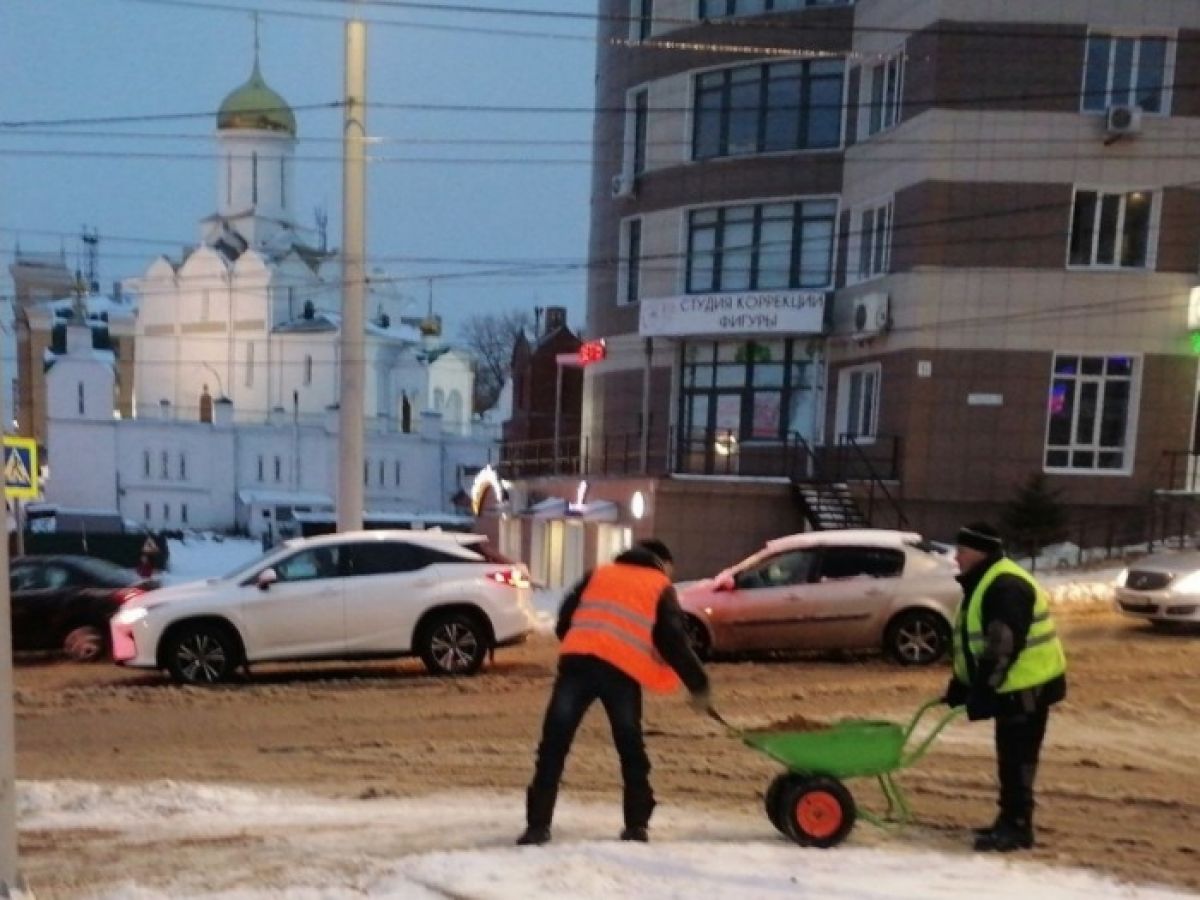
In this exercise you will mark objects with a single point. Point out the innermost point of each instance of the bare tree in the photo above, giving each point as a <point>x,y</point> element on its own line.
<point>490,338</point>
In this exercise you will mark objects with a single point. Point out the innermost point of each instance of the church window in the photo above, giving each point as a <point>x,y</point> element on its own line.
<point>254,178</point>
<point>146,468</point>
<point>366,472</point>
<point>204,307</point>
<point>166,512</point>
<point>229,178</point>
<point>439,399</point>
<point>308,367</point>
<point>183,467</point>
<point>291,303</point>
<point>165,467</point>
<point>382,473</point>
<point>146,511</point>
<point>397,473</point>
<point>260,468</point>
<point>79,397</point>
<point>405,414</point>
<point>282,182</point>
<point>278,469</point>
<point>249,365</point>
<point>183,513</point>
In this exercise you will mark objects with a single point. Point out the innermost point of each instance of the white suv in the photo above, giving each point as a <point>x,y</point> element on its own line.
<point>444,596</point>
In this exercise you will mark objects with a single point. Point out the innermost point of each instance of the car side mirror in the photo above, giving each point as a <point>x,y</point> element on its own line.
<point>266,578</point>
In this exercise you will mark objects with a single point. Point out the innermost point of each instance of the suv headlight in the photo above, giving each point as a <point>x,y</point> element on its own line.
<point>1122,578</point>
<point>1188,584</point>
<point>131,616</point>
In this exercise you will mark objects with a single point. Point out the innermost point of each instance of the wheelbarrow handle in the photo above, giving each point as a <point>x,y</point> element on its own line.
<point>915,753</point>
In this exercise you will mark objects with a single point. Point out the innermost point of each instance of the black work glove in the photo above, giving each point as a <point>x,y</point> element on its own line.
<point>955,694</point>
<point>981,704</point>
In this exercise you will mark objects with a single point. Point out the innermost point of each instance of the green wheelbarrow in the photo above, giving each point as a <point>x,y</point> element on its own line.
<point>809,802</point>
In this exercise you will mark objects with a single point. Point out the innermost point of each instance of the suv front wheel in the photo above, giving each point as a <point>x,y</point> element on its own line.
<point>204,653</point>
<point>454,644</point>
<point>917,637</point>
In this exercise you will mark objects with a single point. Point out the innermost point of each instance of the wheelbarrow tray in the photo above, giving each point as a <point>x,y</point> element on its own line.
<point>846,749</point>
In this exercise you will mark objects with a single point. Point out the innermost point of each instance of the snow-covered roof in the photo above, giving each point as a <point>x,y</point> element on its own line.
<point>868,537</point>
<point>96,305</point>
<point>299,498</point>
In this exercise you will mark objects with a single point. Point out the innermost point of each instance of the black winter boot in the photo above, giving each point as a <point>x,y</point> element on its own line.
<point>635,833</point>
<point>987,829</point>
<point>539,812</point>
<point>1007,836</point>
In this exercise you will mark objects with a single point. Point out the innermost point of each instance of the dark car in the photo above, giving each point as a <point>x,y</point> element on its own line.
<point>64,603</point>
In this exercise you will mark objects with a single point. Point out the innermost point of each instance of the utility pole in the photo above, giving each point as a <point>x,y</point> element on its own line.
<point>10,881</point>
<point>353,367</point>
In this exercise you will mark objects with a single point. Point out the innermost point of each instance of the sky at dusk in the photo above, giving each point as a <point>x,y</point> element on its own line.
<point>514,215</point>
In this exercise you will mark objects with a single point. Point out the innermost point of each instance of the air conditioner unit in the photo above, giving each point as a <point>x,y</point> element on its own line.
<point>870,315</point>
<point>623,186</point>
<point>1122,120</point>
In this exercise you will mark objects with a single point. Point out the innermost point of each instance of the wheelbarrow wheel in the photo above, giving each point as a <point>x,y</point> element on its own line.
<point>773,800</point>
<point>818,812</point>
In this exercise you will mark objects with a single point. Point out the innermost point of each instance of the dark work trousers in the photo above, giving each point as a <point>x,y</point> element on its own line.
<point>581,681</point>
<point>1018,745</point>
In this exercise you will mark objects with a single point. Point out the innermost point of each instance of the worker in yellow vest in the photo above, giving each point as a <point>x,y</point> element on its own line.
<point>1009,666</point>
<point>621,630</point>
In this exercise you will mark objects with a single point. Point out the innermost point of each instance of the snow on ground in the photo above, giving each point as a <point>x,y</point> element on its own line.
<point>253,845</point>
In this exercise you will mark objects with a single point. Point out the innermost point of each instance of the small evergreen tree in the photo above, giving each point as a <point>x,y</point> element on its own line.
<point>1035,517</point>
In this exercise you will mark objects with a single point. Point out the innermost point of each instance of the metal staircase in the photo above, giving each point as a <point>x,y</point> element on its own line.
<point>829,505</point>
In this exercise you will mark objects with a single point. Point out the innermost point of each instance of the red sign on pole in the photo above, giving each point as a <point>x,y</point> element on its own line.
<point>592,352</point>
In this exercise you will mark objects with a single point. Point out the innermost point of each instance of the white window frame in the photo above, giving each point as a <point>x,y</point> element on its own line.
<point>624,268</point>
<point>845,377</point>
<point>1129,450</point>
<point>638,10</point>
<point>859,239</point>
<point>1152,227</point>
<point>891,93</point>
<point>1172,38</point>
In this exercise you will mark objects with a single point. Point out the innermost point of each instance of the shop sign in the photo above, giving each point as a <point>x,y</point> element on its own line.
<point>749,313</point>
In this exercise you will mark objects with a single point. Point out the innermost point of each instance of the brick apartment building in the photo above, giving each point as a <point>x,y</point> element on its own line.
<point>928,248</point>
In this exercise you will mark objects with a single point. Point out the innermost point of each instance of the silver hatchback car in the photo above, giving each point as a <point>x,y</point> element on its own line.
<point>1163,588</point>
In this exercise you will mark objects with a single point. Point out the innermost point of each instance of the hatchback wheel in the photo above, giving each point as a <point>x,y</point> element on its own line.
<point>201,654</point>
<point>698,637</point>
<point>917,637</point>
<point>454,644</point>
<point>85,643</point>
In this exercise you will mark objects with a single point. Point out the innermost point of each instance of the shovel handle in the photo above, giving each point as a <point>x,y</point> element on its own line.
<point>712,713</point>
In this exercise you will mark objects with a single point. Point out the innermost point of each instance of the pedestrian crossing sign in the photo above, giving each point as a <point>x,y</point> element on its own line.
<point>20,468</point>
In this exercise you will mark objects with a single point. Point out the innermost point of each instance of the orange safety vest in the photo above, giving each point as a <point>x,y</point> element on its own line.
<point>615,622</point>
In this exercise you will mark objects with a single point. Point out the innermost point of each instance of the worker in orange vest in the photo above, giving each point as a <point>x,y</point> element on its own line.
<point>621,630</point>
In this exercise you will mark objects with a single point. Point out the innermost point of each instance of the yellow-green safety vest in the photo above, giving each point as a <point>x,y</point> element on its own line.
<point>1042,659</point>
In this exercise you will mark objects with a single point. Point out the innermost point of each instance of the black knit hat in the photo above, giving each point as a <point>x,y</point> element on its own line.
<point>658,548</point>
<point>980,536</point>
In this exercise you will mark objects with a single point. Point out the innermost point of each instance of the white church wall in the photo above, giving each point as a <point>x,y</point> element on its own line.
<point>255,172</point>
<point>82,463</point>
<point>176,474</point>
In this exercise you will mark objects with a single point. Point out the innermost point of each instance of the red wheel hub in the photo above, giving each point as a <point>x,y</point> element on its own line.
<point>819,814</point>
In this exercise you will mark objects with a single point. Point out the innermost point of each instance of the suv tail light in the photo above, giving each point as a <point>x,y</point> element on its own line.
<point>124,595</point>
<point>510,577</point>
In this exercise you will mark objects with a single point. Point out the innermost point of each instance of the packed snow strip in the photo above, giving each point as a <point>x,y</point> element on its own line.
<point>299,846</point>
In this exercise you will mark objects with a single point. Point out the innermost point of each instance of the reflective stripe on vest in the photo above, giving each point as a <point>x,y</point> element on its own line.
<point>615,622</point>
<point>1041,660</point>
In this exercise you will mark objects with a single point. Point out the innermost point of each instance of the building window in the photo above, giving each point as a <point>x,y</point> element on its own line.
<point>858,402</point>
<point>183,467</point>
<point>254,178</point>
<point>874,232</point>
<point>166,512</point>
<point>261,469</point>
<point>631,261</point>
<point>291,295</point>
<point>146,463</point>
<point>713,9</point>
<point>1127,70</point>
<point>773,246</point>
<point>183,513</point>
<point>80,397</point>
<point>366,472</point>
<point>396,473</point>
<point>164,460</point>
<point>382,473</point>
<point>278,469</point>
<point>883,87</point>
<point>229,178</point>
<point>1112,229</point>
<point>735,391</point>
<point>146,512</point>
<point>768,108</point>
<point>308,369</point>
<point>641,100</point>
<point>250,365</point>
<point>282,182</point>
<point>1089,421</point>
<point>642,18</point>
